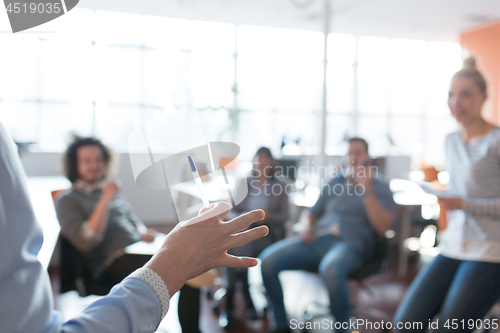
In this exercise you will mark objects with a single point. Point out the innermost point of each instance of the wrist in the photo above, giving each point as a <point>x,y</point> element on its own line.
<point>368,193</point>
<point>169,269</point>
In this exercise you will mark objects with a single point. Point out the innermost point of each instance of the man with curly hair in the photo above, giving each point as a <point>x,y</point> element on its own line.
<point>94,217</point>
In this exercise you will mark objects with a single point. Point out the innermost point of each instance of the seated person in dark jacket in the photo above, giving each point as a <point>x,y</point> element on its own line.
<point>93,216</point>
<point>269,194</point>
<point>340,233</point>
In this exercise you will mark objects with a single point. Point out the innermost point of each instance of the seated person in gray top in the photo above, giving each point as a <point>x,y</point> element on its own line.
<point>340,233</point>
<point>95,219</point>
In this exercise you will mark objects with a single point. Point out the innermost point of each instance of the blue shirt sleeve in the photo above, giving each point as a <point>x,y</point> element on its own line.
<point>385,197</point>
<point>326,192</point>
<point>131,306</point>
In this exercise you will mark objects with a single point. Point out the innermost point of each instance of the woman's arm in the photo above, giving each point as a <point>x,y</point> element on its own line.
<point>483,207</point>
<point>480,207</point>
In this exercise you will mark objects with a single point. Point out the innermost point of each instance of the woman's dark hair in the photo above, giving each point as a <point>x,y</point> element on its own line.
<point>267,152</point>
<point>70,157</point>
<point>359,140</point>
<point>469,70</point>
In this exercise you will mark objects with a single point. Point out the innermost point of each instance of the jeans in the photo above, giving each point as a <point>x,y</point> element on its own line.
<point>454,289</point>
<point>330,255</point>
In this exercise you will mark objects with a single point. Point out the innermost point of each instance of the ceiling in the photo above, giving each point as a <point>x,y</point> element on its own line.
<point>415,19</point>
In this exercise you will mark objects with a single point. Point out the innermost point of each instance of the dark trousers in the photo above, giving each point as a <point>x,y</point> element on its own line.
<point>122,267</point>
<point>329,255</point>
<point>189,309</point>
<point>233,277</point>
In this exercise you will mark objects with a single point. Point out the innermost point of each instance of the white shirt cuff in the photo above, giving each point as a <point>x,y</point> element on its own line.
<point>156,282</point>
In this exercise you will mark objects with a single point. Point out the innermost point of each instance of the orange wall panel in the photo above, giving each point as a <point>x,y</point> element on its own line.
<point>484,44</point>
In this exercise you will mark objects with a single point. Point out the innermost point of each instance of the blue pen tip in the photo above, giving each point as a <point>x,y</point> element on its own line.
<point>191,163</point>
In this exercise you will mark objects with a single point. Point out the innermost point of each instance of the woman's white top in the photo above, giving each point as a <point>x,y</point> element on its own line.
<point>474,233</point>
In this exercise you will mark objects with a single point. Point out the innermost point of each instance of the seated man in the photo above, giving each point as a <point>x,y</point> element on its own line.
<point>340,233</point>
<point>96,220</point>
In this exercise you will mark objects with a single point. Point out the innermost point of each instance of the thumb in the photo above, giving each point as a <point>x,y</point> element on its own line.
<point>233,261</point>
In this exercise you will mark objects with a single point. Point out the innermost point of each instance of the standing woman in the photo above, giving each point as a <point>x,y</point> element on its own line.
<point>463,282</point>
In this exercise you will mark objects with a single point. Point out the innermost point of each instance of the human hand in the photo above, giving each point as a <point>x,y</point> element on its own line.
<point>267,216</point>
<point>109,189</point>
<point>195,246</point>
<point>364,176</point>
<point>451,203</point>
<point>149,236</point>
<point>307,234</point>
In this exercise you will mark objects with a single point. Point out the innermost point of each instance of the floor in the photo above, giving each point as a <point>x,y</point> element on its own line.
<point>383,291</point>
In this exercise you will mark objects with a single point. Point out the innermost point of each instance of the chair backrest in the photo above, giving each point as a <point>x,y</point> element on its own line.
<point>74,270</point>
<point>56,194</point>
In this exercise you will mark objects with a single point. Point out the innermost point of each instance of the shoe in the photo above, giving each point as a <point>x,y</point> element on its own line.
<point>226,320</point>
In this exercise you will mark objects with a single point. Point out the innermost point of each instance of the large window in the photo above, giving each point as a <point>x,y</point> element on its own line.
<point>279,81</point>
<point>251,85</point>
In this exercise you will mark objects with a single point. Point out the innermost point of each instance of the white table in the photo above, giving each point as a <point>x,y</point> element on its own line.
<point>408,195</point>
<point>144,248</point>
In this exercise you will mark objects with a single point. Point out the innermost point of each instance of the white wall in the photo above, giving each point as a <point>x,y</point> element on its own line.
<point>152,206</point>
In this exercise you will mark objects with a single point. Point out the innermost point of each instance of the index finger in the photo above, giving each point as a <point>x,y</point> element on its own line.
<point>243,221</point>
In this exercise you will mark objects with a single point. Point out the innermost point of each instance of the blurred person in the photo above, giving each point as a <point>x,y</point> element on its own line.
<point>135,305</point>
<point>95,218</point>
<point>268,193</point>
<point>462,283</point>
<point>340,233</point>
<point>100,223</point>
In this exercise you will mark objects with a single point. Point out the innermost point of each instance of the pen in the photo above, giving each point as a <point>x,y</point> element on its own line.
<point>197,180</point>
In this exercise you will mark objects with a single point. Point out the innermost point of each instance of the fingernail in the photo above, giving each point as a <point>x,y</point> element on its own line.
<point>262,214</point>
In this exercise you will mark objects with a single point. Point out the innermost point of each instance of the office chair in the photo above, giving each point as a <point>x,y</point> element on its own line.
<point>74,270</point>
<point>316,311</point>
<point>76,274</point>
